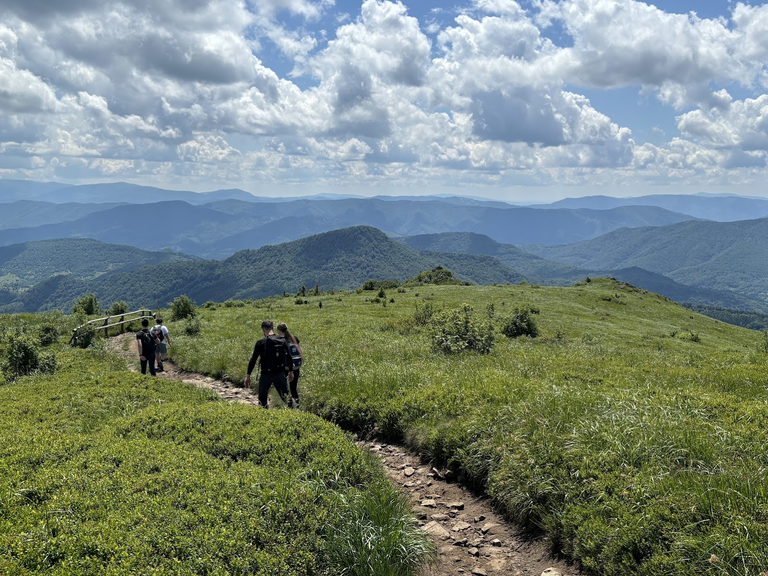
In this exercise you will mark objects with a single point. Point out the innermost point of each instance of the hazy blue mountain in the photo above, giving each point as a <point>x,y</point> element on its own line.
<point>714,255</point>
<point>14,190</point>
<point>175,225</point>
<point>341,259</point>
<point>219,229</point>
<point>32,213</point>
<point>718,208</point>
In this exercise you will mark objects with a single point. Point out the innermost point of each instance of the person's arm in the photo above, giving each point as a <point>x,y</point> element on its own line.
<point>141,349</point>
<point>167,336</point>
<point>252,364</point>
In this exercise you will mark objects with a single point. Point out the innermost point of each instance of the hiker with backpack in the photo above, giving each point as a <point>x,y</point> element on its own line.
<point>274,361</point>
<point>161,333</point>
<point>147,344</point>
<point>297,359</point>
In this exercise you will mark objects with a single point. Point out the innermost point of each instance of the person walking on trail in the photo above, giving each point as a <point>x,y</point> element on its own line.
<point>274,361</point>
<point>161,332</point>
<point>297,360</point>
<point>147,346</point>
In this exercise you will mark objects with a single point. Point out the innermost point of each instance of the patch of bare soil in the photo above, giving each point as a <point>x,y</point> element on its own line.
<point>471,538</point>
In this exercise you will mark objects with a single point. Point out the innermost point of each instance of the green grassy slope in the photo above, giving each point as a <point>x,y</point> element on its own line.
<point>632,431</point>
<point>107,472</point>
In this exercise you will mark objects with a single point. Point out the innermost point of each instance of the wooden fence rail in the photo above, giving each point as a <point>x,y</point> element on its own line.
<point>106,324</point>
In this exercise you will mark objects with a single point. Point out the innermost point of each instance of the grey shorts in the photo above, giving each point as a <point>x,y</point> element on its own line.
<point>162,348</point>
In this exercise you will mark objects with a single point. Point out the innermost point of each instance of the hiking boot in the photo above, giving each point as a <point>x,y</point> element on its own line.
<point>295,403</point>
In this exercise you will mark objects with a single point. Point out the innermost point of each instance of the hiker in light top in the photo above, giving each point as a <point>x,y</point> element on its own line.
<point>161,332</point>
<point>274,364</point>
<point>293,375</point>
<point>147,345</point>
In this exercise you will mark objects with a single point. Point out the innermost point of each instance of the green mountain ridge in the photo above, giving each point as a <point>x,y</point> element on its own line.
<point>341,259</point>
<point>713,255</point>
<point>550,272</point>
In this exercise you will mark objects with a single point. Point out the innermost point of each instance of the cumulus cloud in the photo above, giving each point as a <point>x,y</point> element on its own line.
<point>285,90</point>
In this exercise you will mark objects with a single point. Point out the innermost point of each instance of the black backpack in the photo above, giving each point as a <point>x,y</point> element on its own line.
<point>276,358</point>
<point>157,332</point>
<point>147,342</point>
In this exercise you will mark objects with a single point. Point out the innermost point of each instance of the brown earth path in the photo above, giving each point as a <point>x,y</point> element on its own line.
<point>471,538</point>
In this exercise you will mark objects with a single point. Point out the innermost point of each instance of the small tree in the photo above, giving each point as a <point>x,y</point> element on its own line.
<point>182,307</point>
<point>117,308</point>
<point>87,304</point>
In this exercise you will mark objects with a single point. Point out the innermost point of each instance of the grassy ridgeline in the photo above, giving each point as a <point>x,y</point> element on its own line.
<point>107,472</point>
<point>632,431</point>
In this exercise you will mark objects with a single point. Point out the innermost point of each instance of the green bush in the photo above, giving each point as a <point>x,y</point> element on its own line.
<point>86,335</point>
<point>192,326</point>
<point>22,357</point>
<point>117,309</point>
<point>182,308</point>
<point>48,334</point>
<point>87,304</point>
<point>458,331</point>
<point>423,314</point>
<point>519,324</point>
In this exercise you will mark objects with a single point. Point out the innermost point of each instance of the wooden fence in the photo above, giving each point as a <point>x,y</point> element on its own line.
<point>106,324</point>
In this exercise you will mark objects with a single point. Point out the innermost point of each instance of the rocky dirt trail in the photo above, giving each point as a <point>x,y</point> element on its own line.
<point>471,538</point>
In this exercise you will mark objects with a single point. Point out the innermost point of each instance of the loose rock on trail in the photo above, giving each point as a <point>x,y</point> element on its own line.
<point>470,537</point>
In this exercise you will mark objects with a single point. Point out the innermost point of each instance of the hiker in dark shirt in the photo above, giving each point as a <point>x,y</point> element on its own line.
<point>274,364</point>
<point>147,344</point>
<point>295,373</point>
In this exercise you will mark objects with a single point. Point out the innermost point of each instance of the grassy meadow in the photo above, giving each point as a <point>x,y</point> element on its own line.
<point>103,471</point>
<point>631,431</point>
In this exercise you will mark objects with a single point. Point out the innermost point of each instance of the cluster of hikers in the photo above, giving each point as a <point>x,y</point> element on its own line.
<point>280,359</point>
<point>279,356</point>
<point>153,345</point>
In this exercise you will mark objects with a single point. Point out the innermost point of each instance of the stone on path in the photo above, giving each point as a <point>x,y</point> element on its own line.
<point>428,503</point>
<point>479,572</point>
<point>551,572</point>
<point>409,472</point>
<point>460,526</point>
<point>435,529</point>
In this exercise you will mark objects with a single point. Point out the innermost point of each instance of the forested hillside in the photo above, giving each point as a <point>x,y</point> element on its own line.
<point>341,259</point>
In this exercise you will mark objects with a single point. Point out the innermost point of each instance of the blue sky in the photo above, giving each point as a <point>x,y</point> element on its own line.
<point>529,101</point>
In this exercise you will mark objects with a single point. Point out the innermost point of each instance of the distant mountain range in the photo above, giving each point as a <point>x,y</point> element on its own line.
<point>340,259</point>
<point>718,208</point>
<point>219,229</point>
<point>257,246</point>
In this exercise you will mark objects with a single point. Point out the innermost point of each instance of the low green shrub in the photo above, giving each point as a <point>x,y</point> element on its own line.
<point>104,472</point>
<point>458,331</point>
<point>520,323</point>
